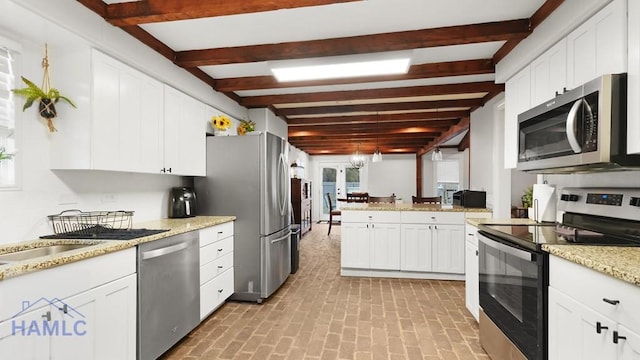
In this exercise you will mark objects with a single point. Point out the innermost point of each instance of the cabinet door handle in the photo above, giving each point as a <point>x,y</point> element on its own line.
<point>47,316</point>
<point>617,337</point>
<point>612,302</point>
<point>169,170</point>
<point>64,309</point>
<point>373,226</point>
<point>477,253</point>
<point>435,227</point>
<point>599,327</point>
<point>429,227</point>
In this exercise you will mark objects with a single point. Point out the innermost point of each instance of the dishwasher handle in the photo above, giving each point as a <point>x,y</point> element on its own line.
<point>164,251</point>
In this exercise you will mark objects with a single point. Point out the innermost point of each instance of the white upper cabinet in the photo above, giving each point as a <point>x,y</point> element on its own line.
<point>126,129</point>
<point>599,45</point>
<point>185,122</point>
<point>549,74</point>
<point>517,100</point>
<point>130,122</point>
<point>633,80</point>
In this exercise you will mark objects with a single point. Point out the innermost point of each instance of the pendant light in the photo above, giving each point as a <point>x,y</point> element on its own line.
<point>377,155</point>
<point>357,159</point>
<point>436,155</point>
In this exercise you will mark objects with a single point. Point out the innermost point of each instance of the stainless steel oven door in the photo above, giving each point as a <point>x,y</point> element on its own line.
<point>513,292</point>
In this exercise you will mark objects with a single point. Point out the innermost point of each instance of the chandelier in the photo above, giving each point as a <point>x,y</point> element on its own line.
<point>436,155</point>
<point>357,159</point>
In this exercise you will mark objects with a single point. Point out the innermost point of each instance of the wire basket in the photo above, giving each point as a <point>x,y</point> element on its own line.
<point>91,222</point>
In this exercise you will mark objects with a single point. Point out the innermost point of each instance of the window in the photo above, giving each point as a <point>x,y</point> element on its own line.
<point>447,175</point>
<point>7,121</point>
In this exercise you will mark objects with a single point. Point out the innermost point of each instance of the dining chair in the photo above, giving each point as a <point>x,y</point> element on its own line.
<point>382,199</point>
<point>332,211</point>
<point>358,197</point>
<point>426,200</point>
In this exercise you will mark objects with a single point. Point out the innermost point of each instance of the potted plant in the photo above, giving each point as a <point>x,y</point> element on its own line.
<point>527,201</point>
<point>221,124</point>
<point>246,126</point>
<point>47,99</point>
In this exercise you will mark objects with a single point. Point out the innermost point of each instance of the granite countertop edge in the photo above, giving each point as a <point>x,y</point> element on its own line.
<point>409,207</point>
<point>100,247</point>
<point>620,262</point>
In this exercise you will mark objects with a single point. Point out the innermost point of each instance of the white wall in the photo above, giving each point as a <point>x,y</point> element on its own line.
<point>266,120</point>
<point>43,192</point>
<point>395,174</point>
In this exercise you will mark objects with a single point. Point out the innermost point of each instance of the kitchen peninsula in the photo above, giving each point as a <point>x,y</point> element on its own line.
<point>419,241</point>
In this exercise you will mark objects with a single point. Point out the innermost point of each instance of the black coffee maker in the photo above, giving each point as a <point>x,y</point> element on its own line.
<point>182,202</point>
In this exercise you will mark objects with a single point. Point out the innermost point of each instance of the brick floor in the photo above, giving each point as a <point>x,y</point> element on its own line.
<point>317,314</point>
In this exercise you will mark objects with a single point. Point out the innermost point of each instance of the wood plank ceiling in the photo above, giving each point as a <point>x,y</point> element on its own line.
<point>408,113</point>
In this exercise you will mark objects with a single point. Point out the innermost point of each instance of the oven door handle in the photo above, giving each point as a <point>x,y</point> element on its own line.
<point>571,126</point>
<point>521,254</point>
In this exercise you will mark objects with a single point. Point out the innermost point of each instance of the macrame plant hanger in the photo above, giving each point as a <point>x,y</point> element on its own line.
<point>46,107</point>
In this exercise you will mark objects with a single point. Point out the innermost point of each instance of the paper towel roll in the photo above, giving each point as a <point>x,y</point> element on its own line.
<point>544,203</point>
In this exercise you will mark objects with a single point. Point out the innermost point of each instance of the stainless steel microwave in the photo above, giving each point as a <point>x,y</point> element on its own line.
<point>582,130</point>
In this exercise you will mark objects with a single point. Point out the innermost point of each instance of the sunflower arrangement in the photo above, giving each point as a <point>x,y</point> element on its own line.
<point>246,126</point>
<point>221,122</point>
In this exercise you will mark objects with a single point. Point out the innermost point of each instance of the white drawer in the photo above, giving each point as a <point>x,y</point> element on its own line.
<point>470,234</point>
<point>216,267</point>
<point>591,287</point>
<point>215,233</point>
<point>214,292</point>
<point>216,250</point>
<point>392,217</point>
<point>432,217</point>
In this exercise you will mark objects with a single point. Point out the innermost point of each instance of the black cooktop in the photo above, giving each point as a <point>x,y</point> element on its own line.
<point>534,236</point>
<point>106,234</point>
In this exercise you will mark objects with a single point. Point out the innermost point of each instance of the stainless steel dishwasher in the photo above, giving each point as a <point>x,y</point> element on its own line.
<point>168,292</point>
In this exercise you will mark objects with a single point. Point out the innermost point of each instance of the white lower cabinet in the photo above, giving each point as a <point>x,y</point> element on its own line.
<point>98,322</point>
<point>471,275</point>
<point>591,315</point>
<point>216,267</point>
<point>413,244</point>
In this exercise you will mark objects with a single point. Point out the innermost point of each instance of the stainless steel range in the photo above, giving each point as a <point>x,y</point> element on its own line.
<point>514,268</point>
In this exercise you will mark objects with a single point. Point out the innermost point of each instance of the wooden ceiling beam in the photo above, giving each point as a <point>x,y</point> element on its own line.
<point>421,71</point>
<point>329,136</point>
<point>435,119</point>
<point>150,11</point>
<point>403,40</point>
<point>354,95</point>
<point>373,127</point>
<point>414,105</point>
<point>454,131</point>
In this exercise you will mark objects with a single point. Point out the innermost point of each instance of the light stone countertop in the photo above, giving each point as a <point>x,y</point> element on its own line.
<point>618,261</point>
<point>491,221</point>
<point>100,247</point>
<point>408,207</point>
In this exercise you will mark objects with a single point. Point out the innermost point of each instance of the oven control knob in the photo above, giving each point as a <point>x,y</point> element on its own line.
<point>635,201</point>
<point>569,197</point>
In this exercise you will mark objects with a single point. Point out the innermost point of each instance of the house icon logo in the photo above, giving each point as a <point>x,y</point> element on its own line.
<point>57,319</point>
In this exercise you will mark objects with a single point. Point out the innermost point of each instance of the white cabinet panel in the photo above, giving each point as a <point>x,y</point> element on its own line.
<point>517,100</point>
<point>629,348</point>
<point>385,246</point>
<point>590,332</point>
<point>471,264</point>
<point>548,74</point>
<point>355,245</point>
<point>216,267</point>
<point>599,45</point>
<point>416,244</point>
<point>633,79</point>
<point>215,292</point>
<point>18,342</point>
<point>184,134</point>
<point>448,249</point>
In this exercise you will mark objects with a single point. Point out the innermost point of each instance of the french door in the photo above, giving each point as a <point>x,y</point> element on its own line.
<point>337,179</point>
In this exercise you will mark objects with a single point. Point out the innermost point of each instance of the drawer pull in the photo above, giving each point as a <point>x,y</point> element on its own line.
<point>221,232</point>
<point>220,266</point>
<point>617,337</point>
<point>599,327</point>
<point>220,291</point>
<point>220,249</point>
<point>612,302</point>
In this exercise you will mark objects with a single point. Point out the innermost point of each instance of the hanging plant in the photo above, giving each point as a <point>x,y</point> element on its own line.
<point>46,95</point>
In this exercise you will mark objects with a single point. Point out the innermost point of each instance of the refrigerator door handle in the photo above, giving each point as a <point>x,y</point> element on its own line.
<point>282,201</point>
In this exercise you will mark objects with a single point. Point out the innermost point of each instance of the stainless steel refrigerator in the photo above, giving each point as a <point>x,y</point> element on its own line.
<point>248,176</point>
